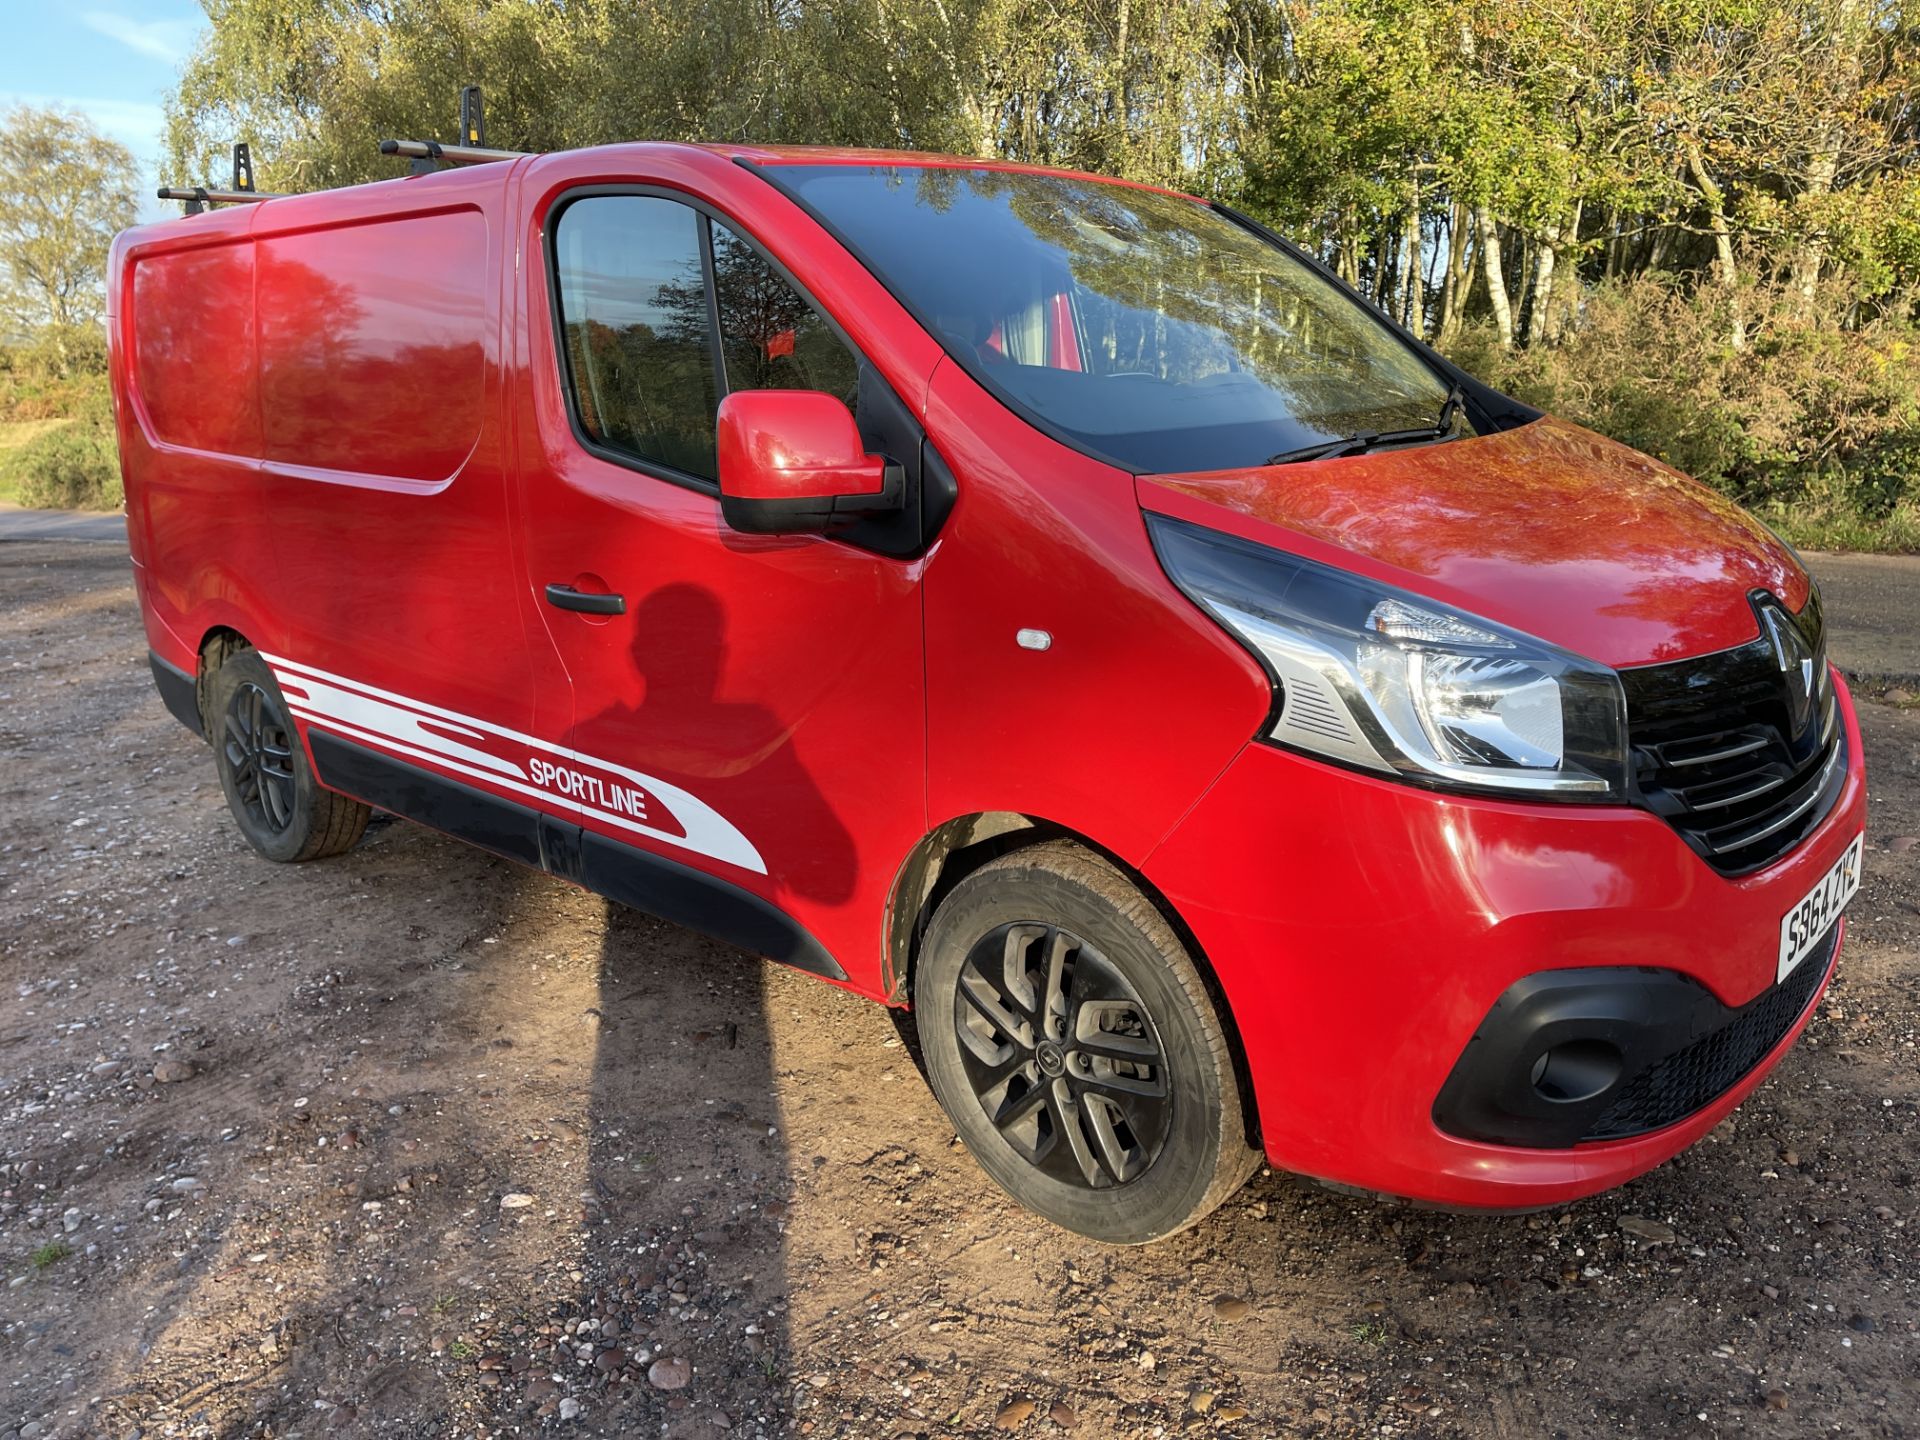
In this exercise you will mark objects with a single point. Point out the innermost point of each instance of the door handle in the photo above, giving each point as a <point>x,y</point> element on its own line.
<point>565,597</point>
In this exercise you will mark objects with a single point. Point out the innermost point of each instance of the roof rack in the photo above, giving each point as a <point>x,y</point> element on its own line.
<point>426,155</point>
<point>429,155</point>
<point>430,151</point>
<point>199,197</point>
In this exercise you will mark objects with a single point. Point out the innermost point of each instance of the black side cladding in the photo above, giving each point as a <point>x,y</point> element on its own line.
<point>474,816</point>
<point>692,898</point>
<point>631,876</point>
<point>178,693</point>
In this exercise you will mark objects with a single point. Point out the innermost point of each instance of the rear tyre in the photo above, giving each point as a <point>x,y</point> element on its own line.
<point>1071,1040</point>
<point>283,811</point>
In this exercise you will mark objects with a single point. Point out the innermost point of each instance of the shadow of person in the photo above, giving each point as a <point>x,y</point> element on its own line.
<point>688,1187</point>
<point>687,1173</point>
<point>736,755</point>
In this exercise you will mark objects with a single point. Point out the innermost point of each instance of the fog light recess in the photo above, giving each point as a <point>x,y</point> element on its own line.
<point>1575,1071</point>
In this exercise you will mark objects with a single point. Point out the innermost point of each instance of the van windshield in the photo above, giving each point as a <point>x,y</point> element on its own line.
<point>1147,329</point>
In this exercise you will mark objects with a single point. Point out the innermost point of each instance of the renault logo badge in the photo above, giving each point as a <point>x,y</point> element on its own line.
<point>1795,657</point>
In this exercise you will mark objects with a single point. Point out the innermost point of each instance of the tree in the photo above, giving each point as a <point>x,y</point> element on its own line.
<point>65,190</point>
<point>1457,160</point>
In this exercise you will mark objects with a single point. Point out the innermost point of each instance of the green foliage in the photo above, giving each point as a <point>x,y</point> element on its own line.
<point>65,189</point>
<point>49,1255</point>
<point>1626,143</point>
<point>1694,223</point>
<point>1371,1331</point>
<point>314,84</point>
<point>1817,429</point>
<point>51,376</point>
<point>73,464</point>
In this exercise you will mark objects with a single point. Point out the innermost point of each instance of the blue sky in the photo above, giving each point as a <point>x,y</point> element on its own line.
<point>114,60</point>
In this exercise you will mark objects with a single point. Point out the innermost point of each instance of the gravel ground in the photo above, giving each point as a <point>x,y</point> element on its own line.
<point>416,1142</point>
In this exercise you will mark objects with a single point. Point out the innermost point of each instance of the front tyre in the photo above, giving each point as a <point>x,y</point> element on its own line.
<point>283,811</point>
<point>1072,1042</point>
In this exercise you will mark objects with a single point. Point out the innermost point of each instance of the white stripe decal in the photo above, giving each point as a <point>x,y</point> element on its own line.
<point>390,721</point>
<point>353,733</point>
<point>553,774</point>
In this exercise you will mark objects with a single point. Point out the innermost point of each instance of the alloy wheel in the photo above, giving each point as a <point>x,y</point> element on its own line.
<point>259,753</point>
<point>1062,1055</point>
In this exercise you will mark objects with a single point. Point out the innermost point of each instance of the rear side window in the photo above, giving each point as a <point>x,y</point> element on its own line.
<point>638,337</point>
<point>639,320</point>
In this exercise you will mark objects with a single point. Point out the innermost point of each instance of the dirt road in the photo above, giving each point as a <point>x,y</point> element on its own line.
<point>415,1142</point>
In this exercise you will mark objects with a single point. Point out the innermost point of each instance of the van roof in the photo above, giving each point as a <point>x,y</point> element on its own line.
<point>912,159</point>
<point>748,154</point>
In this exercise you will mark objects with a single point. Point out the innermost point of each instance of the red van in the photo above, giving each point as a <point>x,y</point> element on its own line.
<point>1056,604</point>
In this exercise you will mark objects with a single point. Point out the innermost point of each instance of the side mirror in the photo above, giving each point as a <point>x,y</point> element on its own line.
<point>791,463</point>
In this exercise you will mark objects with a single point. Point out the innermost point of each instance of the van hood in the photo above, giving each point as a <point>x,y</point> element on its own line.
<point>1547,528</point>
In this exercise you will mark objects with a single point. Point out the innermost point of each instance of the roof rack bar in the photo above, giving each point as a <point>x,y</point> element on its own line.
<point>198,196</point>
<point>447,154</point>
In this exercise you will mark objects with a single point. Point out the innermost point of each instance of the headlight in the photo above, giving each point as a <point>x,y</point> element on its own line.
<point>1375,677</point>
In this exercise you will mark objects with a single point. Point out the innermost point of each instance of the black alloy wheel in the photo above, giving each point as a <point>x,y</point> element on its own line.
<point>1074,1043</point>
<point>284,812</point>
<point>259,754</point>
<point>1062,1056</point>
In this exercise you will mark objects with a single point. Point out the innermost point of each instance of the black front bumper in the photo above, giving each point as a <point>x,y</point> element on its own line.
<point>1570,1056</point>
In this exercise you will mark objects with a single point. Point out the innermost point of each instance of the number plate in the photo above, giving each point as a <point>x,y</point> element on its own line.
<point>1803,927</point>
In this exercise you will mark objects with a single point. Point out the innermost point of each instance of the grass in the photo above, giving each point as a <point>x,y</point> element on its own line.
<point>461,1350</point>
<point>14,434</point>
<point>49,1255</point>
<point>1370,1331</point>
<point>1840,528</point>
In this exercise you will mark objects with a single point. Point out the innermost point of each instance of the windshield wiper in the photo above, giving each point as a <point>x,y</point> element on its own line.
<point>1375,439</point>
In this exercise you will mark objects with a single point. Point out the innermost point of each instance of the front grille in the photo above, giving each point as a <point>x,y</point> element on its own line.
<point>1688,1079</point>
<point>1730,749</point>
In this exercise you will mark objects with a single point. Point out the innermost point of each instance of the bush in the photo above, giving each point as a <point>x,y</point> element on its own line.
<point>53,375</point>
<point>75,466</point>
<point>1817,429</point>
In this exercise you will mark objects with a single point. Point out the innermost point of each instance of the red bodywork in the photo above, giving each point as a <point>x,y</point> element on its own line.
<point>346,439</point>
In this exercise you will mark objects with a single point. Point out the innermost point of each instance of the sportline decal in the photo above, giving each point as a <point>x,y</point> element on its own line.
<point>447,740</point>
<point>578,785</point>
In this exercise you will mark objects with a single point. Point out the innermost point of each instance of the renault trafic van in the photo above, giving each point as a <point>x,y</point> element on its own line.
<point>1054,604</point>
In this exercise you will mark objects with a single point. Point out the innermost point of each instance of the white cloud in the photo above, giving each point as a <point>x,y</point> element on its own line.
<point>164,40</point>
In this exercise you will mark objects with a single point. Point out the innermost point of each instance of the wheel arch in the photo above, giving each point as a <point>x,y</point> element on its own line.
<point>220,642</point>
<point>953,850</point>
